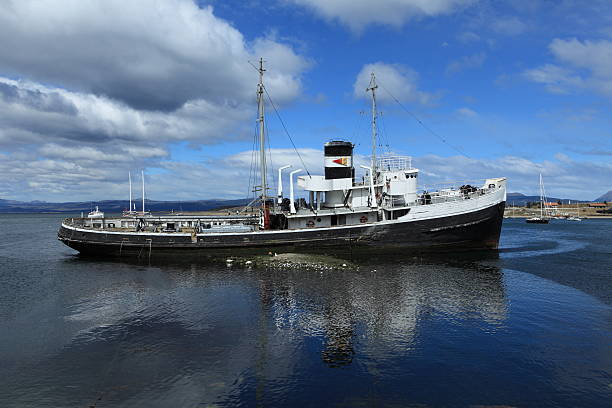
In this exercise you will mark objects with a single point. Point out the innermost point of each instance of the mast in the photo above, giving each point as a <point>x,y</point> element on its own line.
<point>262,135</point>
<point>372,87</point>
<point>541,198</point>
<point>130,179</point>
<point>143,193</point>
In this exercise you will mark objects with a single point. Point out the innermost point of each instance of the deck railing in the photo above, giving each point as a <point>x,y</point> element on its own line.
<point>394,163</point>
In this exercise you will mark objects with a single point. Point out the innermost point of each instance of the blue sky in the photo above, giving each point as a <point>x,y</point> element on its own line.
<point>91,91</point>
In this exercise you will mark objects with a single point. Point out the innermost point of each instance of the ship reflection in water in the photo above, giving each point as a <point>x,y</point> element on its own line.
<point>376,311</point>
<point>236,336</point>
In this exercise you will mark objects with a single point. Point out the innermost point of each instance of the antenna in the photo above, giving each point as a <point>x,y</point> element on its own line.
<point>130,179</point>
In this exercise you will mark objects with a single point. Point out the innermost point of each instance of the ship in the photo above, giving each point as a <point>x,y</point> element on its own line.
<point>381,212</point>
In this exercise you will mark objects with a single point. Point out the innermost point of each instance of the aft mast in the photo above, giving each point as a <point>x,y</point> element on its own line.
<point>372,87</point>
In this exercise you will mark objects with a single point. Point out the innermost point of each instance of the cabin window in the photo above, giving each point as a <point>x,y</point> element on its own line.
<point>97,225</point>
<point>111,225</point>
<point>319,219</point>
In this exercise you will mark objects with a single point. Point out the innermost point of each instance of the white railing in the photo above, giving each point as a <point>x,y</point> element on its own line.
<point>394,163</point>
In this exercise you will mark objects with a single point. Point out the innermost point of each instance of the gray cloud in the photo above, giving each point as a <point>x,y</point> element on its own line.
<point>36,100</point>
<point>92,89</point>
<point>148,54</point>
<point>358,14</point>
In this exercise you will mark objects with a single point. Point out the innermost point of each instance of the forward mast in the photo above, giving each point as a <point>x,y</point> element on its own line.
<point>262,136</point>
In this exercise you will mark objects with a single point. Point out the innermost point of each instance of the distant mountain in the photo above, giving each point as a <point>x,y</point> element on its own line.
<point>605,197</point>
<point>114,206</point>
<point>519,199</point>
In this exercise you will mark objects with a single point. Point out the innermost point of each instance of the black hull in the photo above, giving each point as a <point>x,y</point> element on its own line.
<point>475,230</point>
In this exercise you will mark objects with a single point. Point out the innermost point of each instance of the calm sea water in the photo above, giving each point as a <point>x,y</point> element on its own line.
<point>530,326</point>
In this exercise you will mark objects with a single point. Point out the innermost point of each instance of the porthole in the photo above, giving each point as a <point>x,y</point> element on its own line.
<point>319,219</point>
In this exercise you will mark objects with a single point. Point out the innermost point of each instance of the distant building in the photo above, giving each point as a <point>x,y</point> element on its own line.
<point>555,204</point>
<point>597,205</point>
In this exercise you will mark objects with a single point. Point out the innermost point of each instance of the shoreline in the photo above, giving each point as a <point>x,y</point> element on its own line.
<point>590,217</point>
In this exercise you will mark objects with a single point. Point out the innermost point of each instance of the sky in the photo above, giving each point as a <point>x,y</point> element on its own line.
<point>470,89</point>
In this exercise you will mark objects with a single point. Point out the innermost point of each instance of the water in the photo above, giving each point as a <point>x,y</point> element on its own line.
<point>529,326</point>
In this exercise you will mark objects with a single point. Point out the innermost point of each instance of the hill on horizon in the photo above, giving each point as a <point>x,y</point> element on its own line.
<point>521,199</point>
<point>115,206</point>
<point>606,197</point>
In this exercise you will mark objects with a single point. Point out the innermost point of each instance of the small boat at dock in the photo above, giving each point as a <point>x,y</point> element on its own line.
<point>544,217</point>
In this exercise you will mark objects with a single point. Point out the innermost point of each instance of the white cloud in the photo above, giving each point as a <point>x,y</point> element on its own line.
<point>595,56</point>
<point>357,14</point>
<point>401,80</point>
<point>56,114</point>
<point>149,54</point>
<point>61,179</point>
<point>92,89</point>
<point>581,65</point>
<point>557,79</point>
<point>564,177</point>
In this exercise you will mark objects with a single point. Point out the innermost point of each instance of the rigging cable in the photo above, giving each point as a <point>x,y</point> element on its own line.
<point>252,166</point>
<point>421,123</point>
<point>270,155</point>
<point>286,131</point>
<point>384,134</point>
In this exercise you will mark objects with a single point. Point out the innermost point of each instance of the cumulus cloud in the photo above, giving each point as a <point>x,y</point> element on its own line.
<point>36,113</point>
<point>401,80</point>
<point>580,65</point>
<point>357,14</point>
<point>148,54</point>
<point>90,90</point>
